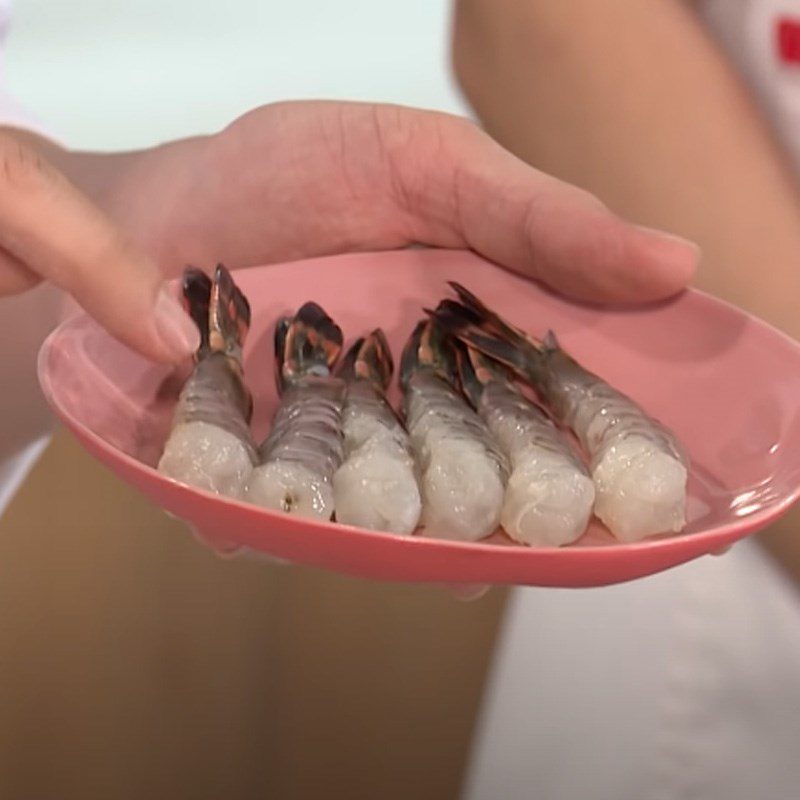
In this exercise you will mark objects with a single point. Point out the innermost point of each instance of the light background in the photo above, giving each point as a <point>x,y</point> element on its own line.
<point>108,74</point>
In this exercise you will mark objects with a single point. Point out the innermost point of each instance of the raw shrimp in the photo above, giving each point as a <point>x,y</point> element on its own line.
<point>638,467</point>
<point>549,495</point>
<point>304,449</point>
<point>210,445</point>
<point>462,471</point>
<point>376,486</point>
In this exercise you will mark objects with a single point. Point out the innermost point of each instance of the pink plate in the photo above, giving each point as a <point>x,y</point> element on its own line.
<point>726,383</point>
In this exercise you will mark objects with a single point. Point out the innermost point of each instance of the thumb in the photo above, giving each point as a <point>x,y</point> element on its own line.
<point>462,188</point>
<point>50,231</point>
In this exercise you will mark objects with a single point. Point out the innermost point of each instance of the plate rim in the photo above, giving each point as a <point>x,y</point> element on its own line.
<point>716,536</point>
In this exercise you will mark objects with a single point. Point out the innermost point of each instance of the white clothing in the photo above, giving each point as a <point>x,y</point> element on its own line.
<point>25,321</point>
<point>683,685</point>
<point>749,32</point>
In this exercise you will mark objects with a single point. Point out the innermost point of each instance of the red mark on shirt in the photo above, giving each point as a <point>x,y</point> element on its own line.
<point>787,40</point>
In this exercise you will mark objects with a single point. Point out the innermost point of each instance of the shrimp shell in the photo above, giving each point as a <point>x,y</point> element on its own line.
<point>210,445</point>
<point>298,459</point>
<point>376,485</point>
<point>549,495</point>
<point>638,466</point>
<point>462,471</point>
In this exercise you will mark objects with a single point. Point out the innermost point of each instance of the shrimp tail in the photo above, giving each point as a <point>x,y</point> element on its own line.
<point>228,316</point>
<point>428,348</point>
<point>370,359</point>
<point>281,332</point>
<point>489,320</point>
<point>196,287</point>
<point>470,382</point>
<point>502,343</point>
<point>307,344</point>
<point>216,393</point>
<point>476,370</point>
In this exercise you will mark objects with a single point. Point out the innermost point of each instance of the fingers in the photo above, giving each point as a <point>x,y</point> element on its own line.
<point>50,231</point>
<point>461,188</point>
<point>226,549</point>
<point>467,592</point>
<point>221,547</point>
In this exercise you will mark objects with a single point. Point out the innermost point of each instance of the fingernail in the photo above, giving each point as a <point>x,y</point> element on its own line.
<point>220,547</point>
<point>720,551</point>
<point>178,333</point>
<point>262,558</point>
<point>467,592</point>
<point>671,240</point>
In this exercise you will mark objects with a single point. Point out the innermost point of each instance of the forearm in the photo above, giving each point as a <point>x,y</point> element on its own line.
<point>633,102</point>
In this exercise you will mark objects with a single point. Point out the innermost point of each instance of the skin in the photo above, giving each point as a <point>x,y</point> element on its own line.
<point>298,179</point>
<point>635,103</point>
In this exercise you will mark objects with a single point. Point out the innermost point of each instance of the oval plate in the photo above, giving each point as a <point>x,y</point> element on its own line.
<point>726,383</point>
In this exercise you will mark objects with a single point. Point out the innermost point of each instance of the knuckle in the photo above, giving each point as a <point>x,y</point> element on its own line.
<point>108,247</point>
<point>392,126</point>
<point>104,252</point>
<point>453,129</point>
<point>611,244</point>
<point>22,168</point>
<point>421,128</point>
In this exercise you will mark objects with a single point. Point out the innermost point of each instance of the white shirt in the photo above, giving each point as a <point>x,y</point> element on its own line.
<point>684,685</point>
<point>24,323</point>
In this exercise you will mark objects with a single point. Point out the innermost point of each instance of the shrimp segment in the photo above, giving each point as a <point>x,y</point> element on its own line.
<point>638,467</point>
<point>375,487</point>
<point>549,496</point>
<point>304,449</point>
<point>210,446</point>
<point>462,471</point>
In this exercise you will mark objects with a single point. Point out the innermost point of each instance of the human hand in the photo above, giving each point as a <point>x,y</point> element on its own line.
<point>50,231</point>
<point>300,179</point>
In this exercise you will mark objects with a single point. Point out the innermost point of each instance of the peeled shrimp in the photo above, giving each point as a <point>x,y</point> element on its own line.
<point>462,471</point>
<point>637,465</point>
<point>298,459</point>
<point>376,486</point>
<point>549,495</point>
<point>209,445</point>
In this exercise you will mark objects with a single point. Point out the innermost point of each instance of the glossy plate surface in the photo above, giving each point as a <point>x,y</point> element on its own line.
<point>727,384</point>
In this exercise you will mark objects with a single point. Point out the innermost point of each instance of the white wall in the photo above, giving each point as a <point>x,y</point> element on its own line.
<point>125,73</point>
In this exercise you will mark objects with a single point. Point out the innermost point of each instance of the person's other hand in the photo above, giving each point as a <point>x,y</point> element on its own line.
<point>50,231</point>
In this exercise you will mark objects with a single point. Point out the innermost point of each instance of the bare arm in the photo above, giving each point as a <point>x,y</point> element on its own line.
<point>634,102</point>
